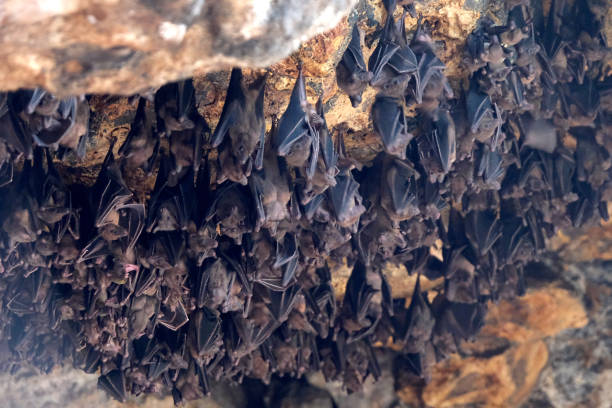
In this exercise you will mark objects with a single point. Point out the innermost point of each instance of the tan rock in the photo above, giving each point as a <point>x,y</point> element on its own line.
<point>507,357</point>
<point>123,47</point>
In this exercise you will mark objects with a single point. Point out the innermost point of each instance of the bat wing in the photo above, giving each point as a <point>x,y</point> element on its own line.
<point>293,124</point>
<point>207,327</point>
<point>353,56</point>
<point>401,182</point>
<point>234,98</point>
<point>482,230</point>
<point>135,222</point>
<point>478,104</point>
<point>403,61</point>
<point>343,194</point>
<point>281,303</point>
<point>114,384</point>
<point>388,121</point>
<point>565,167</point>
<point>256,185</point>
<point>513,235</point>
<point>491,166</point>
<point>428,65</point>
<point>328,151</point>
<point>259,109</point>
<point>173,319</point>
<point>186,100</point>
<point>110,191</point>
<point>384,50</point>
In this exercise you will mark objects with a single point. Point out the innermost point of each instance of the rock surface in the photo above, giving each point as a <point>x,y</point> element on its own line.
<point>124,47</point>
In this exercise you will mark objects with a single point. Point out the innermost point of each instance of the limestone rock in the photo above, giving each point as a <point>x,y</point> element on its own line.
<point>124,47</point>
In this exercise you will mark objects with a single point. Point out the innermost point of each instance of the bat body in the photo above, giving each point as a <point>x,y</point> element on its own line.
<point>297,137</point>
<point>351,72</point>
<point>390,123</point>
<point>240,133</point>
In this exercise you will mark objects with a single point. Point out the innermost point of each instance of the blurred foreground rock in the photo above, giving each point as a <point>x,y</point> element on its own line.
<point>123,47</point>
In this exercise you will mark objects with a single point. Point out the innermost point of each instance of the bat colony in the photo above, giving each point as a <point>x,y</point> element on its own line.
<point>226,274</point>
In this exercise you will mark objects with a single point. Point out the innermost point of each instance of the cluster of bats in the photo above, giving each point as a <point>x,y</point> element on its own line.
<point>226,271</point>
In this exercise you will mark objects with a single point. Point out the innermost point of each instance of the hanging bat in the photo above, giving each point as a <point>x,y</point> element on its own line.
<point>141,145</point>
<point>179,120</point>
<point>297,137</point>
<point>11,128</point>
<point>390,123</point>
<point>328,163</point>
<point>206,329</point>
<point>54,122</point>
<point>392,63</point>
<point>230,211</point>
<point>481,116</point>
<point>490,167</point>
<point>351,72</point>
<point>413,326</point>
<point>358,300</point>
<point>441,141</point>
<point>346,200</point>
<point>240,133</point>
<point>270,190</point>
<point>399,196</point>
<point>175,107</point>
<point>171,207</point>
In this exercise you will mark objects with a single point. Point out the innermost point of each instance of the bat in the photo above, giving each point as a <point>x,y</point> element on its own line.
<point>297,138</point>
<point>171,206</point>
<point>270,191</point>
<point>240,133</point>
<point>429,67</point>
<point>441,140</point>
<point>12,130</point>
<point>141,146</point>
<point>331,158</point>
<point>351,72</point>
<point>392,63</point>
<point>359,295</point>
<point>229,211</point>
<point>490,167</point>
<point>53,122</point>
<point>413,326</point>
<point>179,121</point>
<point>345,200</point>
<point>482,229</point>
<point>390,123</point>
<point>206,327</point>
<point>482,116</point>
